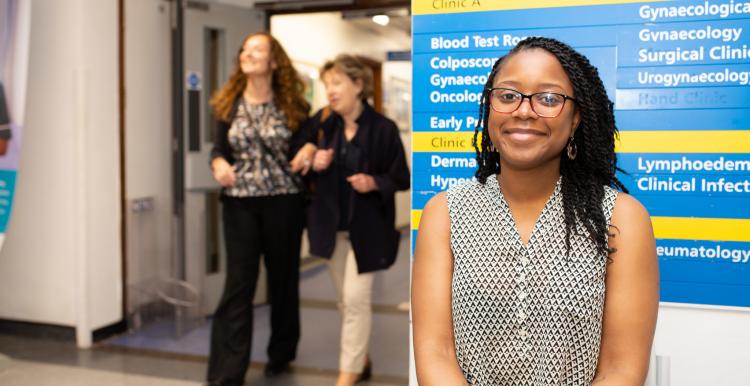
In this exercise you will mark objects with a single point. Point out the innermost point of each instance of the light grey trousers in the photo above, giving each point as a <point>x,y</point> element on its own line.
<point>354,291</point>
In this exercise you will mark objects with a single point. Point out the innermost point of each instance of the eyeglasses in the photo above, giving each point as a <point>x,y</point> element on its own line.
<point>544,104</point>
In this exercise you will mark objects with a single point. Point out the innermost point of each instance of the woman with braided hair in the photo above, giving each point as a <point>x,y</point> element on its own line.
<point>542,270</point>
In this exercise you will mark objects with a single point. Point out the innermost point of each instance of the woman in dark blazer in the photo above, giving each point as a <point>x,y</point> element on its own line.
<point>357,169</point>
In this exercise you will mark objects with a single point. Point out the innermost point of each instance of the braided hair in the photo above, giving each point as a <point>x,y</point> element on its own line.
<point>595,164</point>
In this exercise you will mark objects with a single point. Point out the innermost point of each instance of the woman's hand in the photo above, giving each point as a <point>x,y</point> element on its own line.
<point>362,183</point>
<point>302,161</point>
<point>322,160</point>
<point>223,172</point>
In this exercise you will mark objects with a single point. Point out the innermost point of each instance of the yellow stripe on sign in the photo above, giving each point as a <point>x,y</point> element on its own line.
<point>680,228</point>
<point>428,7</point>
<point>719,141</point>
<point>716,141</point>
<point>691,228</point>
<point>443,141</point>
<point>416,216</point>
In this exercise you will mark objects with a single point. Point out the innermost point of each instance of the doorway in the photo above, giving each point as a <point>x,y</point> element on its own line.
<point>174,260</point>
<point>386,50</point>
<point>160,262</point>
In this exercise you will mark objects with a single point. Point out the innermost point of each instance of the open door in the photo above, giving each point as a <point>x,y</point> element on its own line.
<point>212,35</point>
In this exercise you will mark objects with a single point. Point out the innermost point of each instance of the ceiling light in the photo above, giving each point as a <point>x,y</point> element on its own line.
<point>381,19</point>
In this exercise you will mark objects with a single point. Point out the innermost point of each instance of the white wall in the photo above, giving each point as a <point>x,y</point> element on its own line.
<point>704,346</point>
<point>400,72</point>
<point>148,138</point>
<point>332,35</point>
<point>61,260</point>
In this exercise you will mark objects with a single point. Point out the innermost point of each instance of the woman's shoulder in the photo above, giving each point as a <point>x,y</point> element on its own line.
<point>632,241</point>
<point>629,211</point>
<point>437,202</point>
<point>435,212</point>
<point>378,120</point>
<point>385,124</point>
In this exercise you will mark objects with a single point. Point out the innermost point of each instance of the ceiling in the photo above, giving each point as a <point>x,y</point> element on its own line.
<point>328,5</point>
<point>399,23</point>
<point>358,12</point>
<point>296,6</point>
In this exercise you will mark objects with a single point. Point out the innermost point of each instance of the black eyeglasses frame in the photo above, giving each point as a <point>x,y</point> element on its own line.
<point>531,101</point>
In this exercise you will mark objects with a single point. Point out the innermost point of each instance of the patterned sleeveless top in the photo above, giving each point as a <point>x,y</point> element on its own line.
<point>523,315</point>
<point>259,139</point>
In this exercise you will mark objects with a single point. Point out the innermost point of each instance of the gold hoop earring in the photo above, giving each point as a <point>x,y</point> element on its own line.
<point>493,149</point>
<point>572,149</point>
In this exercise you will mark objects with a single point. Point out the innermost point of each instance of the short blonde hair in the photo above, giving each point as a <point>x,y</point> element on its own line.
<point>354,69</point>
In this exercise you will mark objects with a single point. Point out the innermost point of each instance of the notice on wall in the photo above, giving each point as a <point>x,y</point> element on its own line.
<point>679,75</point>
<point>14,43</point>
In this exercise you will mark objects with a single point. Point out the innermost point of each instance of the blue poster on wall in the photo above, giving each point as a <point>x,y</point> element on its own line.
<point>15,16</point>
<point>679,75</point>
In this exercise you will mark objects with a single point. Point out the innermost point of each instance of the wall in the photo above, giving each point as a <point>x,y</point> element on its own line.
<point>704,346</point>
<point>334,35</point>
<point>399,100</point>
<point>61,260</point>
<point>148,138</point>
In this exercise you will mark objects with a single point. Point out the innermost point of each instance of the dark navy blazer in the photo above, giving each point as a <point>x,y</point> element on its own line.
<point>372,220</point>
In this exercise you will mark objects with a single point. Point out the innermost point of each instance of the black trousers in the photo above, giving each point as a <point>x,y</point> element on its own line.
<point>254,226</point>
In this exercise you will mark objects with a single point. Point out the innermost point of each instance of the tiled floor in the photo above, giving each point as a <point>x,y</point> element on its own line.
<point>43,362</point>
<point>153,356</point>
<point>24,373</point>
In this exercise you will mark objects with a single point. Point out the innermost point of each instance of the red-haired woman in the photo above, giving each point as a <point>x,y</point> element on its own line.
<point>257,159</point>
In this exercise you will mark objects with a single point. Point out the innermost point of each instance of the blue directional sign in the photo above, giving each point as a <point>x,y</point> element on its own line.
<point>679,75</point>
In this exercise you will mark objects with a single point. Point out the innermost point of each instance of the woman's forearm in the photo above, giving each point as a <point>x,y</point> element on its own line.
<point>434,369</point>
<point>616,378</point>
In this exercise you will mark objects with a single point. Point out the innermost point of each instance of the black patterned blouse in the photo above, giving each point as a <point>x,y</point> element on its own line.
<point>259,141</point>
